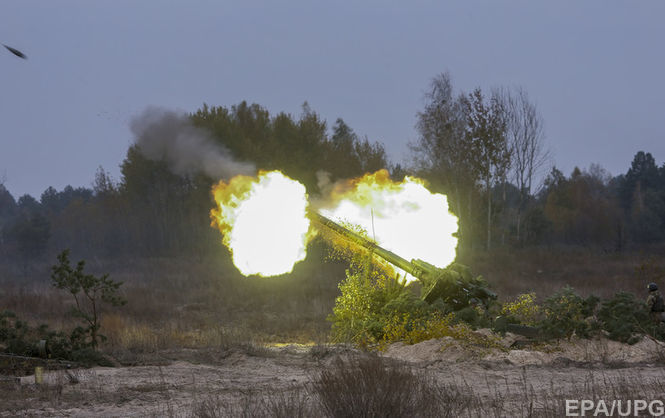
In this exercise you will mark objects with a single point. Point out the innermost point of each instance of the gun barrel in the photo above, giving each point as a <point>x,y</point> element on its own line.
<point>387,255</point>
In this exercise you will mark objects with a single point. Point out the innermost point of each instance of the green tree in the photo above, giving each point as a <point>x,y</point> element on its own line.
<point>642,194</point>
<point>8,209</point>
<point>89,293</point>
<point>341,157</point>
<point>30,235</point>
<point>643,174</point>
<point>159,201</point>
<point>372,156</point>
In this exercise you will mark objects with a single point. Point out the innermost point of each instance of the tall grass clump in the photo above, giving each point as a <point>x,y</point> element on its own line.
<point>370,386</point>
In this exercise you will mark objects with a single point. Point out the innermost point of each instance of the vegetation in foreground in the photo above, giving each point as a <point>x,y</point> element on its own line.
<point>177,310</point>
<point>375,309</point>
<point>566,313</point>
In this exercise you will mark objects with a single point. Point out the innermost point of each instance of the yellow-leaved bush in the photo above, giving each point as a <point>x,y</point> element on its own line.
<point>523,308</point>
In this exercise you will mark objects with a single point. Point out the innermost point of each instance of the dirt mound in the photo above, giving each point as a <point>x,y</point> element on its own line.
<point>499,349</point>
<point>604,350</point>
<point>481,343</point>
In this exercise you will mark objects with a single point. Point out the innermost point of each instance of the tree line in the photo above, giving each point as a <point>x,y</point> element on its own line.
<point>485,150</point>
<point>150,211</point>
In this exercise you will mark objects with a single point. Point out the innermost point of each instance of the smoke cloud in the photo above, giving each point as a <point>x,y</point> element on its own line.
<point>165,135</point>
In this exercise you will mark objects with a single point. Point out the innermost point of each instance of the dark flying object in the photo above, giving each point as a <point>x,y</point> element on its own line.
<point>15,52</point>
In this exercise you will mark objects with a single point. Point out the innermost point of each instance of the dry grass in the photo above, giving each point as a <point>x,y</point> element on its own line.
<point>183,301</point>
<point>353,386</point>
<point>375,387</point>
<point>134,343</point>
<point>546,270</point>
<point>371,386</point>
<point>291,403</point>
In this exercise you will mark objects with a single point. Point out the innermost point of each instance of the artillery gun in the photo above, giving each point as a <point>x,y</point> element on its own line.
<point>453,285</point>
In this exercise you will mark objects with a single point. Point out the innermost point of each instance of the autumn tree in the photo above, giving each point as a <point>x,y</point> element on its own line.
<point>582,208</point>
<point>486,134</point>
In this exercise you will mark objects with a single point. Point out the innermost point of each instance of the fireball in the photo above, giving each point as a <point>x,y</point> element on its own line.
<point>265,225</point>
<point>404,217</point>
<point>263,221</point>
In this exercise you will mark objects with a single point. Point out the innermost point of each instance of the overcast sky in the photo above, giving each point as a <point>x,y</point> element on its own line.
<point>594,68</point>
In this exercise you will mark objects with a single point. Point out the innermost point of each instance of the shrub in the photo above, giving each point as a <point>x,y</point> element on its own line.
<point>370,386</point>
<point>524,309</point>
<point>567,313</point>
<point>414,330</point>
<point>89,292</point>
<point>367,303</point>
<point>624,317</point>
<point>376,307</point>
<point>18,337</point>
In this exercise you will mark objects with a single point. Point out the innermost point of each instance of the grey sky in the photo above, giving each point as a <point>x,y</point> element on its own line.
<point>594,68</point>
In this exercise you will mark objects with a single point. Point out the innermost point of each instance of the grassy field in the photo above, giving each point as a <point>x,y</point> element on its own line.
<point>186,301</point>
<point>189,324</point>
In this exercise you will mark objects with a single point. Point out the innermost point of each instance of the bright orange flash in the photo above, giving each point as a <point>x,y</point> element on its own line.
<point>265,226</point>
<point>403,217</point>
<point>263,221</point>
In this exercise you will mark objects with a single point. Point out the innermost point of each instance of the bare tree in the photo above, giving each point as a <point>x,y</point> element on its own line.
<point>524,129</point>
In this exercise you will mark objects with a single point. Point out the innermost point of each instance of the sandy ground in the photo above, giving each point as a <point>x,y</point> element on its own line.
<point>515,378</point>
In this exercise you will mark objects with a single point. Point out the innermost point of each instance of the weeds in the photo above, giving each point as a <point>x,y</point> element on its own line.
<point>370,386</point>
<point>127,337</point>
<point>290,403</point>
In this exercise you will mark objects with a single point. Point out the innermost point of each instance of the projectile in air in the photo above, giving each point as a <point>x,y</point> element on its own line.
<point>15,52</point>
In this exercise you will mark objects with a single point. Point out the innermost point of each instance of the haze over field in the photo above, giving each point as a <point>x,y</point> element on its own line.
<point>593,68</point>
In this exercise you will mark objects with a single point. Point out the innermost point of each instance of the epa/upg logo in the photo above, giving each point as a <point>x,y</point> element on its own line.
<point>616,407</point>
